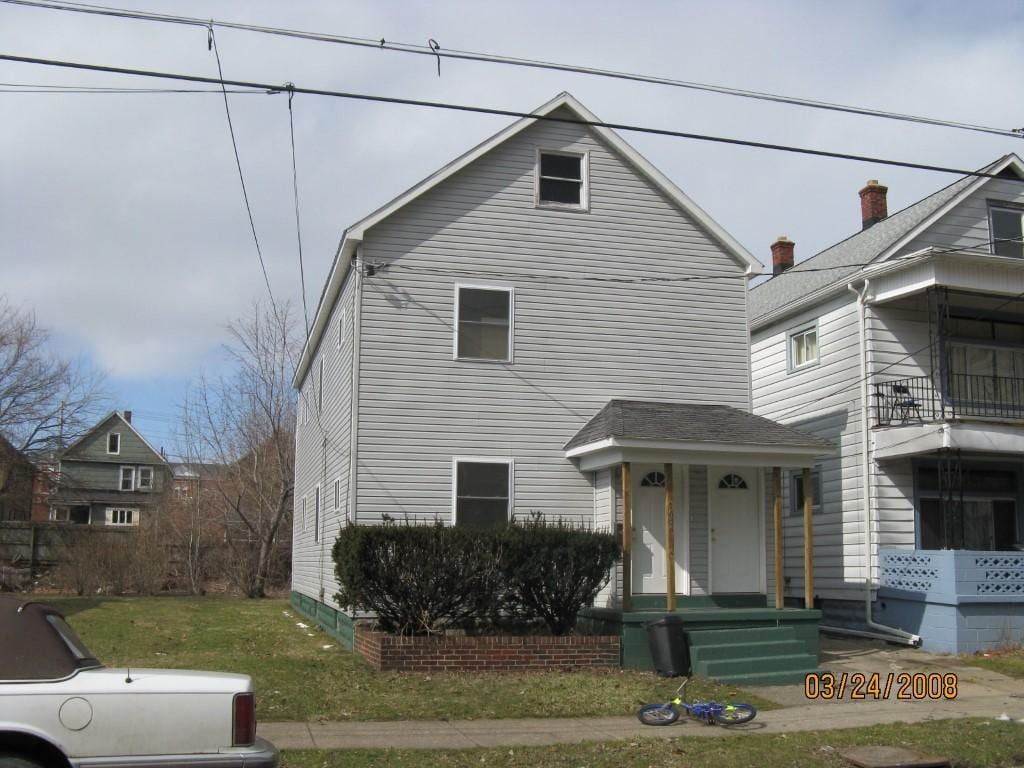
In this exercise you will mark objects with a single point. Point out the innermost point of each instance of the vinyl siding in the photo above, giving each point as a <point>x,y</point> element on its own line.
<point>315,463</point>
<point>824,400</point>
<point>132,450</point>
<point>967,225</point>
<point>577,343</point>
<point>605,520</point>
<point>698,489</point>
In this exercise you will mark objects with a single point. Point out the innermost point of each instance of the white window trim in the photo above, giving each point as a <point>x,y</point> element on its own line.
<point>112,510</point>
<point>118,451</point>
<point>511,323</point>
<point>585,180</point>
<point>1002,205</point>
<point>818,481</point>
<point>337,494</point>
<point>303,506</point>
<point>799,331</point>
<point>120,478</point>
<point>138,476</point>
<point>341,327</point>
<point>456,460</point>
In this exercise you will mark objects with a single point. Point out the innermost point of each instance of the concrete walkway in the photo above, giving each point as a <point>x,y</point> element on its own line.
<point>981,693</point>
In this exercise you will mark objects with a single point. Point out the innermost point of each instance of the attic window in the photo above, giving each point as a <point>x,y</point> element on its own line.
<point>114,442</point>
<point>1007,231</point>
<point>561,179</point>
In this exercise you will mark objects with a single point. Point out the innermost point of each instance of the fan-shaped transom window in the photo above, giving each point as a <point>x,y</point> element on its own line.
<point>732,480</point>
<point>653,480</point>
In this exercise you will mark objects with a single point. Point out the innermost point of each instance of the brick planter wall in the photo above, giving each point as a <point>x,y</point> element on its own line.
<point>386,652</point>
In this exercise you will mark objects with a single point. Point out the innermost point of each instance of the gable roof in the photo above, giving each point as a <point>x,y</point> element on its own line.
<point>102,423</point>
<point>803,283</point>
<point>354,234</point>
<point>689,423</point>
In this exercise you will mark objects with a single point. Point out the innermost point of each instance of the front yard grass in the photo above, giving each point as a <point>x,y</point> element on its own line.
<point>1007,661</point>
<point>966,743</point>
<point>297,678</point>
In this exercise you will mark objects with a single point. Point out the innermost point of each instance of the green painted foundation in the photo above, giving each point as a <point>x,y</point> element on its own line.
<point>734,639</point>
<point>335,623</point>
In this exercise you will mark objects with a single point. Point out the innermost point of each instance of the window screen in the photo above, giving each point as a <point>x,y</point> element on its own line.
<point>482,494</point>
<point>561,179</point>
<point>484,323</point>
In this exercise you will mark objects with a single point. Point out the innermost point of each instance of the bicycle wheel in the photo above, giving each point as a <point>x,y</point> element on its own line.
<point>657,714</point>
<point>735,714</point>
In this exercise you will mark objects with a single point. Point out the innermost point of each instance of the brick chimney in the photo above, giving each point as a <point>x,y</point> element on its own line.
<point>128,416</point>
<point>873,206</point>
<point>782,254</point>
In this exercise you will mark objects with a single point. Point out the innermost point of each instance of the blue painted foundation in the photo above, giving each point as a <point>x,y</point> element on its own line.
<point>958,601</point>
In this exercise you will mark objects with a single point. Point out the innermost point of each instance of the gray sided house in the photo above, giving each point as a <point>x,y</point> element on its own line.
<point>548,324</point>
<point>109,476</point>
<point>904,344</point>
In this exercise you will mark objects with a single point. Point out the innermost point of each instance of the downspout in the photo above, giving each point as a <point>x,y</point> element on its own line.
<point>353,431</point>
<point>884,632</point>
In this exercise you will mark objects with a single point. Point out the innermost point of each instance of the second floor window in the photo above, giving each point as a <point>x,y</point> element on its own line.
<point>803,347</point>
<point>561,180</point>
<point>1007,232</point>
<point>484,324</point>
<point>127,478</point>
<point>145,478</point>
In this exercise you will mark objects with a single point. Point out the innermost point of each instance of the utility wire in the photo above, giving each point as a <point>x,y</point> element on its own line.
<point>212,44</point>
<point>434,50</point>
<point>501,113</point>
<point>102,90</point>
<point>298,226</point>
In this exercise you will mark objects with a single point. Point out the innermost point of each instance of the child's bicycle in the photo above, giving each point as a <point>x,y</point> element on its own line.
<point>710,712</point>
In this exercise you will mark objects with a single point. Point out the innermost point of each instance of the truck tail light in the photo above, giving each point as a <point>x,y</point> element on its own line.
<point>244,731</point>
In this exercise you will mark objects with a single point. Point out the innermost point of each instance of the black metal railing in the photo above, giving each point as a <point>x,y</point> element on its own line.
<point>904,401</point>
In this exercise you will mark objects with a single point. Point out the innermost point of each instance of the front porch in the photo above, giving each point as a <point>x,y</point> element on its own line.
<point>733,638</point>
<point>695,492</point>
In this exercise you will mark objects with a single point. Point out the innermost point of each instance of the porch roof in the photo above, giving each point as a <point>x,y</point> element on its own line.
<point>625,430</point>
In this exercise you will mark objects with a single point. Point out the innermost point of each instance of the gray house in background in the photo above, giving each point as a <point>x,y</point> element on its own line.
<point>109,476</point>
<point>548,324</point>
<point>904,344</point>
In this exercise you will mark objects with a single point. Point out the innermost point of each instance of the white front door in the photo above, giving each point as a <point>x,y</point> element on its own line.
<point>735,529</point>
<point>648,551</point>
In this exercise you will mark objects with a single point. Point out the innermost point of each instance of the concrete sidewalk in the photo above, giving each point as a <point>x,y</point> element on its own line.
<point>981,693</point>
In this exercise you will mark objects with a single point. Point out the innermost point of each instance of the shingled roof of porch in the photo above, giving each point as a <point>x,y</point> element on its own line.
<point>690,423</point>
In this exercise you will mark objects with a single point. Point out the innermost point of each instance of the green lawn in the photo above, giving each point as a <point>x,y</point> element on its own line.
<point>1009,661</point>
<point>966,743</point>
<point>298,679</point>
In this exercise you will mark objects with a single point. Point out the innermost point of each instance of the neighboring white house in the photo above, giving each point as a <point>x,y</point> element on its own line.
<point>503,337</point>
<point>904,344</point>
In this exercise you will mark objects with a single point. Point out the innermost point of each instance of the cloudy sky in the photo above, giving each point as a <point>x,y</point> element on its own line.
<point>121,218</point>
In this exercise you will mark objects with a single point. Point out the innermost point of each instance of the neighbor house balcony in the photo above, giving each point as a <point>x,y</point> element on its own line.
<point>916,399</point>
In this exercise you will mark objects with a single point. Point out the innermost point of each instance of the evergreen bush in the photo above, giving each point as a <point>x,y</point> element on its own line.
<point>421,579</point>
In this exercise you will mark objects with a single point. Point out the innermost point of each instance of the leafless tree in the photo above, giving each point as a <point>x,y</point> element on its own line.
<point>43,397</point>
<point>243,423</point>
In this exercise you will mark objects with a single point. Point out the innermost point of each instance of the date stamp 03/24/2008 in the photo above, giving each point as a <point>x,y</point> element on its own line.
<point>904,686</point>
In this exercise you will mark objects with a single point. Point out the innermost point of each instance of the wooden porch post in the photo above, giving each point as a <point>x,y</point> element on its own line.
<point>627,536</point>
<point>670,543</point>
<point>808,539</point>
<point>780,599</point>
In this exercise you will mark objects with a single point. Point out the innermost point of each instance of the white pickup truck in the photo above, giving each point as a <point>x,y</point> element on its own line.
<point>61,708</point>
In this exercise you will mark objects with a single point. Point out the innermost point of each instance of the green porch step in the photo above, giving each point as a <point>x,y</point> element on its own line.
<point>752,655</point>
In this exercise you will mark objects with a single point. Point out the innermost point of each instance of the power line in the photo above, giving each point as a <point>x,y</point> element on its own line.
<point>212,44</point>
<point>298,226</point>
<point>39,88</point>
<point>475,56</point>
<point>502,113</point>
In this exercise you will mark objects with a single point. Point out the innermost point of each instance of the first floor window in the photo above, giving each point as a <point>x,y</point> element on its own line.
<point>796,492</point>
<point>482,493</point>
<point>121,517</point>
<point>972,506</point>
<point>316,515</point>
<point>127,478</point>
<point>60,514</point>
<point>484,324</point>
<point>803,347</point>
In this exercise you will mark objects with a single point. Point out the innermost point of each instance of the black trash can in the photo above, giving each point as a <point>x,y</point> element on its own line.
<point>670,646</point>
